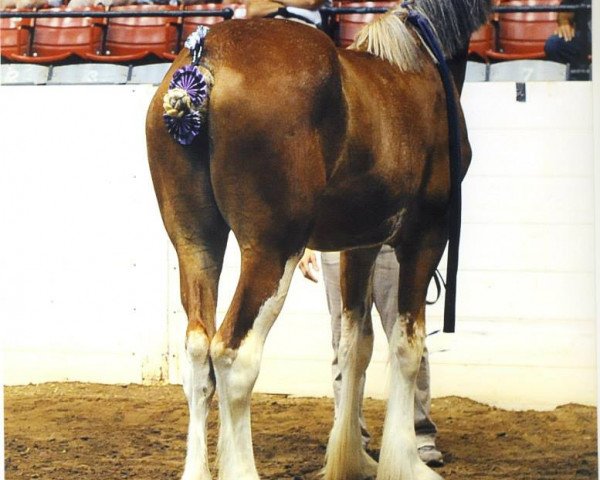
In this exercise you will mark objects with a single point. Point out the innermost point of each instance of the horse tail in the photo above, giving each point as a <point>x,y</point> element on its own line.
<point>185,103</point>
<point>391,37</point>
<point>455,20</point>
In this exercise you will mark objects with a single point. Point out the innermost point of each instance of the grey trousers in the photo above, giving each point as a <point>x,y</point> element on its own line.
<point>385,297</point>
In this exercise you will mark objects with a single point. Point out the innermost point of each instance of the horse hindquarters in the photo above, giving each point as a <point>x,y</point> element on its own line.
<point>182,184</point>
<point>275,130</point>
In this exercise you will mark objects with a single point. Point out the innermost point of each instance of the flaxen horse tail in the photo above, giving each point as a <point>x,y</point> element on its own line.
<point>392,38</point>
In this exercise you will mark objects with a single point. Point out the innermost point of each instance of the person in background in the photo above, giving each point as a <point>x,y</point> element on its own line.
<point>96,3</point>
<point>385,298</point>
<point>28,4</point>
<point>305,11</point>
<point>572,40</point>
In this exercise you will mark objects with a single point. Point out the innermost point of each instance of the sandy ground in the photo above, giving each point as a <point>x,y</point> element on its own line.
<point>71,431</point>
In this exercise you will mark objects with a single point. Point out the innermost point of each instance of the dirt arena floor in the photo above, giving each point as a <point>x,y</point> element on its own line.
<point>71,431</point>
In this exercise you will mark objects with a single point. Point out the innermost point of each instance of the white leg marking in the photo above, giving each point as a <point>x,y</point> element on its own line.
<point>198,389</point>
<point>236,373</point>
<point>399,459</point>
<point>346,457</point>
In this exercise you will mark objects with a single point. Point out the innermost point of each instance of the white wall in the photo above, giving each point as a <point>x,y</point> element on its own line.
<point>84,284</point>
<point>89,283</point>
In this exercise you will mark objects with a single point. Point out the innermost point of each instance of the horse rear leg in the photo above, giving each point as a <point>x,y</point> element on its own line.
<point>236,352</point>
<point>199,284</point>
<point>199,234</point>
<point>346,458</point>
<point>418,258</point>
<point>200,267</point>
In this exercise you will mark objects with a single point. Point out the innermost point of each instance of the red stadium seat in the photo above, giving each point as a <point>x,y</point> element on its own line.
<point>190,24</point>
<point>523,35</point>
<point>350,24</point>
<point>15,36</point>
<point>481,41</point>
<point>130,39</point>
<point>56,39</point>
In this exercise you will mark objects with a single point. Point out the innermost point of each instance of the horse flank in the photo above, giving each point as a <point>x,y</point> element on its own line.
<point>391,38</point>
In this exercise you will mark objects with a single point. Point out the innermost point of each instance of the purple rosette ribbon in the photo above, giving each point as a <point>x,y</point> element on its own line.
<point>184,129</point>
<point>188,78</point>
<point>185,125</point>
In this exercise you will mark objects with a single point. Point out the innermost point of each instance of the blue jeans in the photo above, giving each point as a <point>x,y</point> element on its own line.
<point>574,52</point>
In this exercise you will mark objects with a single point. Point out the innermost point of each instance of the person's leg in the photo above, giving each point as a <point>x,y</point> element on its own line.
<point>574,52</point>
<point>330,265</point>
<point>424,427</point>
<point>385,288</point>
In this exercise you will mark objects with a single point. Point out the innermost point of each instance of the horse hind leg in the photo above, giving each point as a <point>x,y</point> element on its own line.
<point>236,352</point>
<point>200,267</point>
<point>346,458</point>
<point>199,234</point>
<point>399,459</point>
<point>199,294</point>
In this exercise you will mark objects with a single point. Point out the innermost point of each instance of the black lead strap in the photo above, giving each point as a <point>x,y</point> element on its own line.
<point>424,28</point>
<point>439,281</point>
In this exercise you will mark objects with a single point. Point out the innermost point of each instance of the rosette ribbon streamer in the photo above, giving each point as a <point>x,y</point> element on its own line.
<point>186,100</point>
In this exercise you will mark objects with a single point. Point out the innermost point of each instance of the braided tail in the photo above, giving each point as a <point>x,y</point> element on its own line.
<point>186,102</point>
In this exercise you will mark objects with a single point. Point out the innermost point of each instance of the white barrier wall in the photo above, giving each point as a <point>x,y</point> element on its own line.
<point>89,286</point>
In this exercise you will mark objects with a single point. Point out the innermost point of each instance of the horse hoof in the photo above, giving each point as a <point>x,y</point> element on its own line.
<point>196,476</point>
<point>369,467</point>
<point>425,473</point>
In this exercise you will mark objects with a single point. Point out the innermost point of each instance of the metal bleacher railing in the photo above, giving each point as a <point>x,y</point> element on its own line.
<point>333,15</point>
<point>227,13</point>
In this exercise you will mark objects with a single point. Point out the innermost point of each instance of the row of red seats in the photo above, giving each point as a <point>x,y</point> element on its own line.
<point>113,40</point>
<point>508,36</point>
<point>350,24</point>
<point>515,36</point>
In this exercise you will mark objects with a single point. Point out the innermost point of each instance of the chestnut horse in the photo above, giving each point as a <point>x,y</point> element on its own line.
<point>304,145</point>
